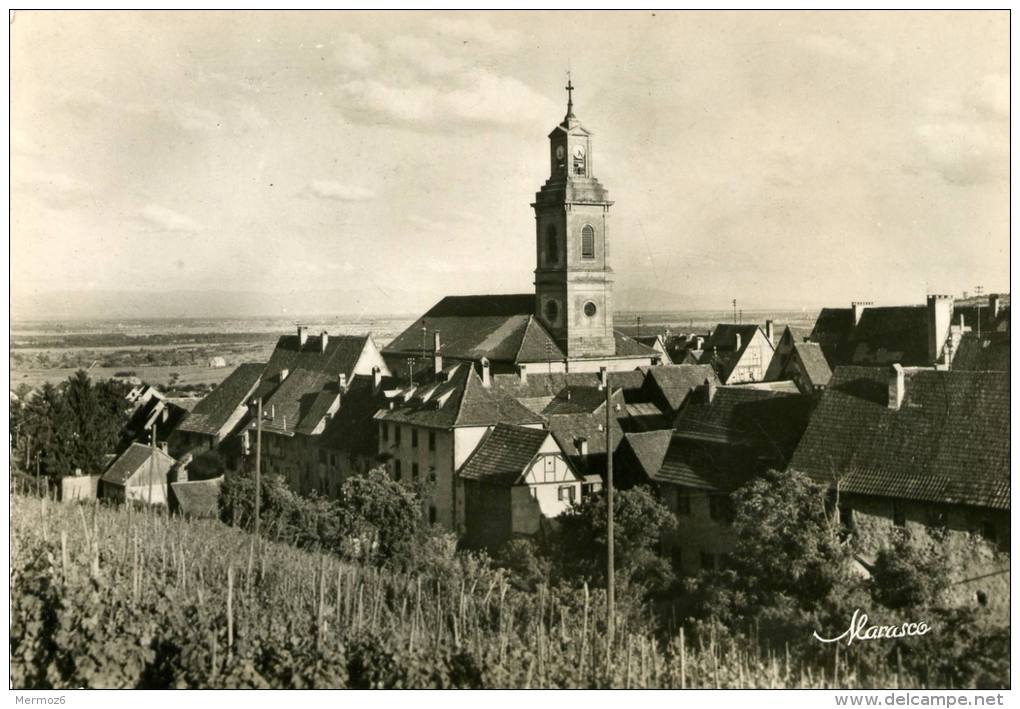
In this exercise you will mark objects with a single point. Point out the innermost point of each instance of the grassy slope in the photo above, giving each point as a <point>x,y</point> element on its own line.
<point>108,597</point>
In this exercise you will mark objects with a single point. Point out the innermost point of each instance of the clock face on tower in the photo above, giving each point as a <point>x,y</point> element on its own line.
<point>578,152</point>
<point>560,152</point>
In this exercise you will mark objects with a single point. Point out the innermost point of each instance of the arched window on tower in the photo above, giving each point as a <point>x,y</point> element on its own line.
<point>587,242</point>
<point>552,249</point>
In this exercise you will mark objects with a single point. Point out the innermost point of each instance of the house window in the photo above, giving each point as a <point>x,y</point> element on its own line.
<point>432,474</point>
<point>385,432</point>
<point>565,493</point>
<point>707,561</point>
<point>683,501</point>
<point>396,470</point>
<point>414,472</point>
<point>587,242</point>
<point>552,251</point>
<point>719,508</point>
<point>550,464</point>
<point>414,437</point>
<point>899,517</point>
<point>432,440</point>
<point>396,435</point>
<point>432,514</point>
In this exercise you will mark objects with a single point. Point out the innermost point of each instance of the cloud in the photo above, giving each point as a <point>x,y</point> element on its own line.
<point>331,189</point>
<point>160,218</point>
<point>965,138</point>
<point>475,29</point>
<point>354,53</point>
<point>963,153</point>
<point>476,97</point>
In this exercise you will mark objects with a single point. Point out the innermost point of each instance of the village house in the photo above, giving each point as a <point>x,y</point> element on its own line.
<point>566,324</point>
<point>800,362</point>
<point>139,474</point>
<point>657,343</point>
<point>151,412</point>
<point>516,482</point>
<point>919,449</point>
<point>909,335</point>
<point>304,386</point>
<point>722,439</point>
<point>426,431</point>
<point>219,415</point>
<point>740,353</point>
<point>685,348</point>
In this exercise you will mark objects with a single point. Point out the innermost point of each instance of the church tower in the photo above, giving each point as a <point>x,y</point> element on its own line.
<point>573,280</point>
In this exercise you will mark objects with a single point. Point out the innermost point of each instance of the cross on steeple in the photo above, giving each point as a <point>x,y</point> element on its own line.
<point>570,96</point>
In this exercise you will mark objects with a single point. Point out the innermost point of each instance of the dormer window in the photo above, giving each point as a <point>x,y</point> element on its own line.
<point>587,242</point>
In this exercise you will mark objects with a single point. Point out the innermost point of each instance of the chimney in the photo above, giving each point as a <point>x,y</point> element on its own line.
<point>738,343</point>
<point>699,343</point>
<point>437,359</point>
<point>341,381</point>
<point>582,446</point>
<point>710,388</point>
<point>770,331</point>
<point>323,340</point>
<point>522,372</point>
<point>376,378</point>
<point>182,469</point>
<point>486,379</point>
<point>302,335</point>
<point>962,323</point>
<point>603,378</point>
<point>897,387</point>
<point>858,307</point>
<point>283,374</point>
<point>940,316</point>
<point>272,412</point>
<point>994,303</point>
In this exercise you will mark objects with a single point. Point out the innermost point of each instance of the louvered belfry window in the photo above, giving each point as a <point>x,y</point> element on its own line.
<point>587,242</point>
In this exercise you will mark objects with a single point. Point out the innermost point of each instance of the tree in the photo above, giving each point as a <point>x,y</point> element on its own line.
<point>910,573</point>
<point>640,521</point>
<point>376,507</point>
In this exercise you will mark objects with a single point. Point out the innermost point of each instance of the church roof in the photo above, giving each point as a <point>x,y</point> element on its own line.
<point>501,328</point>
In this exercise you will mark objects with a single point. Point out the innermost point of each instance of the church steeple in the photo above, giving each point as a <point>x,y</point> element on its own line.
<point>573,279</point>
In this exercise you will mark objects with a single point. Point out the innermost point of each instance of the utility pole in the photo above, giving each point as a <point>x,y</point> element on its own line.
<point>610,561</point>
<point>980,291</point>
<point>152,462</point>
<point>734,310</point>
<point>639,326</point>
<point>258,462</point>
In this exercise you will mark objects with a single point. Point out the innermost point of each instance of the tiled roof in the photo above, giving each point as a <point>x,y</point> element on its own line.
<point>213,412</point>
<point>476,326</point>
<point>568,428</point>
<point>708,465</point>
<point>341,356</point>
<point>769,421</point>
<point>457,398</point>
<point>832,330</point>
<point>724,336</point>
<point>989,323</point>
<point>576,400</point>
<point>889,334</point>
<point>671,385</point>
<point>815,366</point>
<point>988,353</point>
<point>299,402</point>
<point>948,442</point>
<point>139,459</point>
<point>503,454</point>
<point>501,328</point>
<point>197,498</point>
<point>352,427</point>
<point>647,451</point>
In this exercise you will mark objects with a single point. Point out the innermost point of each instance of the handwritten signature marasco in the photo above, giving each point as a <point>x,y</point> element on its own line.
<point>860,630</point>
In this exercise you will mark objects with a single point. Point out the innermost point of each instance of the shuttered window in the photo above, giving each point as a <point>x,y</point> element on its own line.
<point>587,242</point>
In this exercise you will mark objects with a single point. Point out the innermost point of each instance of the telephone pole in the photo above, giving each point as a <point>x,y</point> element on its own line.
<point>258,462</point>
<point>610,561</point>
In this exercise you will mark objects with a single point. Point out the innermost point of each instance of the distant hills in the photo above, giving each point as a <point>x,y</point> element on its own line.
<point>377,300</point>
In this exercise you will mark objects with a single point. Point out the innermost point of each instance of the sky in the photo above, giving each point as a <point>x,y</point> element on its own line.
<point>778,158</point>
